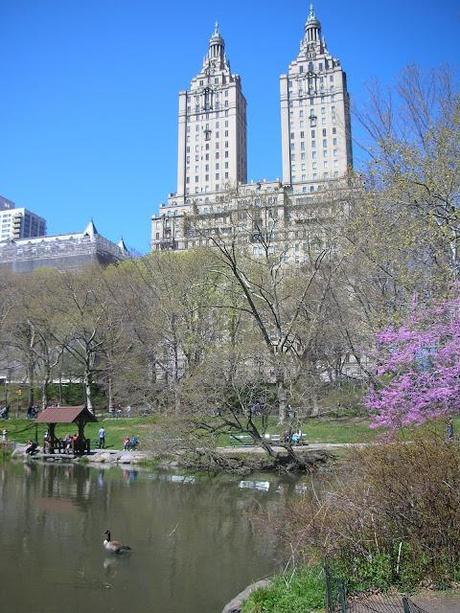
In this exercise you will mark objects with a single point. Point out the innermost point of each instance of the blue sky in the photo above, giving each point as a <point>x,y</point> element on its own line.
<point>88,104</point>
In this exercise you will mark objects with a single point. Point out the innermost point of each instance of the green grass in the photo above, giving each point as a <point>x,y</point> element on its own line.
<point>317,430</point>
<point>21,430</point>
<point>297,593</point>
<point>339,430</point>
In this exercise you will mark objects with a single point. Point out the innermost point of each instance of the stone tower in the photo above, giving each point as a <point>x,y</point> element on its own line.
<point>212,127</point>
<point>315,114</point>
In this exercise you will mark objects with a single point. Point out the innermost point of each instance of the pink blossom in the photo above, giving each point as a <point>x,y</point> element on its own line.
<point>419,368</point>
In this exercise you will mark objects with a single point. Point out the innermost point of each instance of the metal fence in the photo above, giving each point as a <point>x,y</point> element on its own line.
<point>339,601</point>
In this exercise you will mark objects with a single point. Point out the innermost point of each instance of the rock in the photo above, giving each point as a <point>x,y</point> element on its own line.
<point>104,457</point>
<point>234,606</point>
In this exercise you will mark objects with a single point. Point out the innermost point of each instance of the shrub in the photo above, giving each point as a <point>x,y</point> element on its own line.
<point>392,517</point>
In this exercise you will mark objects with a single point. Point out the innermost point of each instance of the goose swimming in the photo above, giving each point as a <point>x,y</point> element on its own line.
<point>114,546</point>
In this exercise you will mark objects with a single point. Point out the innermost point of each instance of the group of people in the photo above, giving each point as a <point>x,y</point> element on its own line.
<point>69,442</point>
<point>130,443</point>
<point>294,438</point>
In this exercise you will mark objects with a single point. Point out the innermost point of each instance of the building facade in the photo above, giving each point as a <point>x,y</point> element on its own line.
<point>16,223</point>
<point>213,197</point>
<point>63,252</point>
<point>212,126</point>
<point>315,114</point>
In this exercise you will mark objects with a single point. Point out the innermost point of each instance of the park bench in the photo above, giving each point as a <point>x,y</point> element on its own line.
<point>244,440</point>
<point>274,438</point>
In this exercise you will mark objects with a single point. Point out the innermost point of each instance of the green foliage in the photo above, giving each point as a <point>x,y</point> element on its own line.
<point>297,593</point>
<point>21,430</point>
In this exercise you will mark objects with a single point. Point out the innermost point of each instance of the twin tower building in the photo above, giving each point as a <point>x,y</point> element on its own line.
<point>212,135</point>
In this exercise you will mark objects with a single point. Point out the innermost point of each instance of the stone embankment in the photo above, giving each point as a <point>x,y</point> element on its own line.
<point>241,460</point>
<point>98,456</point>
<point>235,605</point>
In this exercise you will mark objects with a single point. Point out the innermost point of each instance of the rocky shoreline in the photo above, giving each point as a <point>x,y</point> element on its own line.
<point>241,461</point>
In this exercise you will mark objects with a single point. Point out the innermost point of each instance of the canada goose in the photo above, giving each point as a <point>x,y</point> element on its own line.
<point>114,546</point>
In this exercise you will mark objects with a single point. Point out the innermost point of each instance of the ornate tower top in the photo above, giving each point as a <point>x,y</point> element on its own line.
<point>312,28</point>
<point>215,59</point>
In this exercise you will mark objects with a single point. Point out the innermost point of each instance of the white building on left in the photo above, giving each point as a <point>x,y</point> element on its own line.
<point>19,222</point>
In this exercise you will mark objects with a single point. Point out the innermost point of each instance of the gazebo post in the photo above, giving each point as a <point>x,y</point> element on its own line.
<point>51,428</point>
<point>81,433</point>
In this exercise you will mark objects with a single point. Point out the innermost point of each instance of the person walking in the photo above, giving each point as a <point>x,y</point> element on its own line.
<point>101,437</point>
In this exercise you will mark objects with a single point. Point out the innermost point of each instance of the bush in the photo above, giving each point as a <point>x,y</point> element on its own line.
<point>392,517</point>
<point>302,591</point>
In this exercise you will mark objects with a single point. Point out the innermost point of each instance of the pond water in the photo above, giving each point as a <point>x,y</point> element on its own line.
<point>194,546</point>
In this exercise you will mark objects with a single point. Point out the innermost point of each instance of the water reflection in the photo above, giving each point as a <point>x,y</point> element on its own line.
<point>193,546</point>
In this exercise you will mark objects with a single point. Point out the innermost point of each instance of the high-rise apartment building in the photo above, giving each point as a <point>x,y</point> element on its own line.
<point>212,127</point>
<point>315,114</point>
<point>316,155</point>
<point>16,223</point>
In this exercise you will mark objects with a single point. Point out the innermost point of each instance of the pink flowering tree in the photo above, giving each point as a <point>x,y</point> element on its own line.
<point>418,369</point>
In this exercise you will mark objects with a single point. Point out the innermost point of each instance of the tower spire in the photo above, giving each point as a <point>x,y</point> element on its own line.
<point>312,27</point>
<point>216,51</point>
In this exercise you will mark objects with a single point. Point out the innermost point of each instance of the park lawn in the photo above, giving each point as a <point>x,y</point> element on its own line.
<point>321,430</point>
<point>21,430</point>
<point>316,430</point>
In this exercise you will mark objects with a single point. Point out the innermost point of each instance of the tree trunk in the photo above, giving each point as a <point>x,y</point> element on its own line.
<point>45,384</point>
<point>282,397</point>
<point>30,391</point>
<point>87,384</point>
<point>110,394</point>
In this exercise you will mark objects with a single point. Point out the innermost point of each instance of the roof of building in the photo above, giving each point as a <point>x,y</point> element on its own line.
<point>65,415</point>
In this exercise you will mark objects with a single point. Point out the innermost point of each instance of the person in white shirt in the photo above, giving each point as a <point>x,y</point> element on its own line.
<point>101,437</point>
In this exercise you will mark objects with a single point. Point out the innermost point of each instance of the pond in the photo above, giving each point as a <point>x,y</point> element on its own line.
<point>194,544</point>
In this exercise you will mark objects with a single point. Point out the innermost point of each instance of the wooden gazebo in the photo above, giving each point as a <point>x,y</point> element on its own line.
<point>67,415</point>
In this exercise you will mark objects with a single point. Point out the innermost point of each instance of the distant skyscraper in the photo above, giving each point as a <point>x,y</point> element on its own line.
<point>212,127</point>
<point>18,223</point>
<point>315,114</point>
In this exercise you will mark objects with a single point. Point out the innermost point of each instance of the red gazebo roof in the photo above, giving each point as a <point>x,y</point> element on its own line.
<point>65,415</point>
